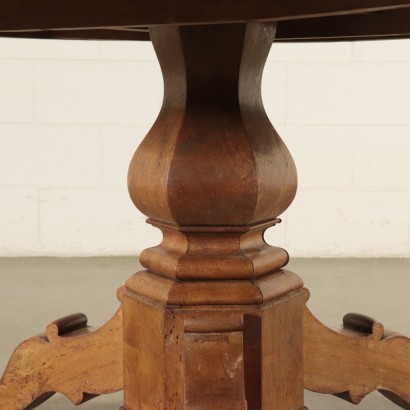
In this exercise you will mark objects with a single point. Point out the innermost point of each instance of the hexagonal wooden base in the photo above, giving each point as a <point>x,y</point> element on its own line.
<point>214,357</point>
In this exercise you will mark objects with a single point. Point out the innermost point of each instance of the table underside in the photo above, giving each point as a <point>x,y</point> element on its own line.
<point>331,21</point>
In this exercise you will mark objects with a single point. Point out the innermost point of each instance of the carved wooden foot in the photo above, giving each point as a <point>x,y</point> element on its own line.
<point>70,358</point>
<point>80,363</point>
<point>359,358</point>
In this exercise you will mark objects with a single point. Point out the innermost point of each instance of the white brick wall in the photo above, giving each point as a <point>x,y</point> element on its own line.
<point>72,114</point>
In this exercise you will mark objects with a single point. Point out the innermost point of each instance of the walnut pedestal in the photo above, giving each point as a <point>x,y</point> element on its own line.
<point>213,322</point>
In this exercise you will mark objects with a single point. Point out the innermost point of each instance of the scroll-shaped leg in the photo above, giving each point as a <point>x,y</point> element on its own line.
<point>359,358</point>
<point>69,358</point>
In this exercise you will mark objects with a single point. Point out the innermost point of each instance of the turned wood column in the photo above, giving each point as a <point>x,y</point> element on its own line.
<point>213,322</point>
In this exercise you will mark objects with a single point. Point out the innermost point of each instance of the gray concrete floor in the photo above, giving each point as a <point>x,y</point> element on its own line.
<point>36,291</point>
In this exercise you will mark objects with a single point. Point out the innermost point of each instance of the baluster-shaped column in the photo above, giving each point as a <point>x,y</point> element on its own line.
<point>213,322</point>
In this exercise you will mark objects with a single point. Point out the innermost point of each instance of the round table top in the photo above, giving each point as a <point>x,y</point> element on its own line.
<point>298,20</point>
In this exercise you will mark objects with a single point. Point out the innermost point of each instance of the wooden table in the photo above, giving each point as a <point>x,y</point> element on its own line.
<point>214,321</point>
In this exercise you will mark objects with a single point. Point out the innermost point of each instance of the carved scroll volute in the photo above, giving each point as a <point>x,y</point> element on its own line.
<point>212,157</point>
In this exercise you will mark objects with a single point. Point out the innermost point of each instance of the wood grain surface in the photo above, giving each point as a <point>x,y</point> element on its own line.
<point>213,322</point>
<point>69,358</point>
<point>356,360</point>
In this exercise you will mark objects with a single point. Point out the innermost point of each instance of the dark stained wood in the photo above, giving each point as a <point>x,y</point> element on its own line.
<point>213,175</point>
<point>64,14</point>
<point>386,24</point>
<point>95,34</point>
